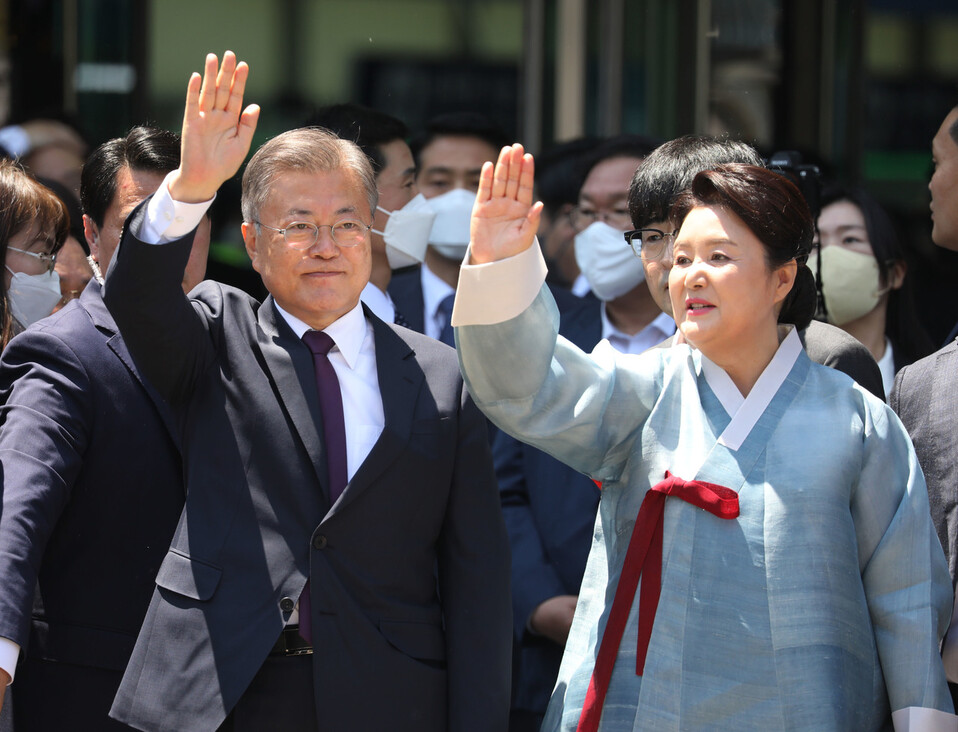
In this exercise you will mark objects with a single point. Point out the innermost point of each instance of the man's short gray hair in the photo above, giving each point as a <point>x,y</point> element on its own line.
<point>308,150</point>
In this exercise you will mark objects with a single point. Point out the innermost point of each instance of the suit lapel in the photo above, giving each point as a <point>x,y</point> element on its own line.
<point>290,365</point>
<point>405,289</point>
<point>400,381</point>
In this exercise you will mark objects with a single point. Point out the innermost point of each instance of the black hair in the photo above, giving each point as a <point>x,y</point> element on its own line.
<point>144,149</point>
<point>953,130</point>
<point>72,203</point>
<point>774,210</point>
<point>620,146</point>
<point>903,327</point>
<point>459,124</point>
<point>669,169</point>
<point>559,173</point>
<point>368,128</point>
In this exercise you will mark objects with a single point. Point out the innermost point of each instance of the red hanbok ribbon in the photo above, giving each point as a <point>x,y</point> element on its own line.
<point>644,558</point>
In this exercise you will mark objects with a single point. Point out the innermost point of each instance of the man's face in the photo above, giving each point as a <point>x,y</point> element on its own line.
<point>453,161</point>
<point>132,186</point>
<point>657,268</point>
<point>396,183</point>
<point>604,195</point>
<point>556,234</point>
<point>323,282</point>
<point>944,186</point>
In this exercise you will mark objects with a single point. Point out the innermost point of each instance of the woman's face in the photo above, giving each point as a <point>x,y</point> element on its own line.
<point>852,281</point>
<point>724,296</point>
<point>29,239</point>
<point>842,224</point>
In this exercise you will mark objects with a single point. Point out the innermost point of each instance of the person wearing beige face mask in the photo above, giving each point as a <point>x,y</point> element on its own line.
<point>864,280</point>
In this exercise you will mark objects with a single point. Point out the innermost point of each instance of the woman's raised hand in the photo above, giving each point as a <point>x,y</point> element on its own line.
<point>504,218</point>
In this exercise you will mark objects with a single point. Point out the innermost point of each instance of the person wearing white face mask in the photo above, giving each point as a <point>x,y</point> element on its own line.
<point>33,227</point>
<point>449,154</point>
<point>549,507</point>
<point>631,320</point>
<point>403,220</point>
<point>864,282</point>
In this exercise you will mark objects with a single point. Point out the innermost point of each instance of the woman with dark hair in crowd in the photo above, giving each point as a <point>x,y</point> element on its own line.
<point>864,280</point>
<point>764,556</point>
<point>33,227</point>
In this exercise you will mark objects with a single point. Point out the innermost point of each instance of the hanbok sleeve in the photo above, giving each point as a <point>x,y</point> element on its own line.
<point>586,410</point>
<point>905,577</point>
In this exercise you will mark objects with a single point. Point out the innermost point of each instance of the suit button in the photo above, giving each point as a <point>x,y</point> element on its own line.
<point>319,541</point>
<point>287,604</point>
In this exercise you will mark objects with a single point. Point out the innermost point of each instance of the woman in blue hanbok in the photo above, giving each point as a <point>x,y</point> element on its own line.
<point>763,556</point>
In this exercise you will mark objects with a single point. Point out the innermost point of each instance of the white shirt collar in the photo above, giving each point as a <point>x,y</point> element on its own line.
<point>662,325</point>
<point>746,411</point>
<point>379,302</point>
<point>886,364</point>
<point>348,331</point>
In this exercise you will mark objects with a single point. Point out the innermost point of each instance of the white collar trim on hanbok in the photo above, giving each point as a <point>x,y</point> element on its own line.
<point>746,411</point>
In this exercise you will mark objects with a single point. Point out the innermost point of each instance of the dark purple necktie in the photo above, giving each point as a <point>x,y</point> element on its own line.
<point>334,438</point>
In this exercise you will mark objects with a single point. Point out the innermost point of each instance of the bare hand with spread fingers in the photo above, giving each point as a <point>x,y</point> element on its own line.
<point>504,218</point>
<point>217,131</point>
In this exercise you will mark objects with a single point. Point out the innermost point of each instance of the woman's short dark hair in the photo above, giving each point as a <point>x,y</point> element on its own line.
<point>774,210</point>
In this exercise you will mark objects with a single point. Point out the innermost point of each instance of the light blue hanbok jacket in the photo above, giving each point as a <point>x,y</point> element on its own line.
<point>821,607</point>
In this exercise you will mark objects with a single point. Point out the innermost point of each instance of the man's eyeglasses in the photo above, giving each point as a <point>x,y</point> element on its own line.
<point>303,234</point>
<point>49,260</point>
<point>583,218</point>
<point>651,243</point>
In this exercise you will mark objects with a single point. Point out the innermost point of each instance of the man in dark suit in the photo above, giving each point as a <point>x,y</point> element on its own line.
<point>925,395</point>
<point>404,623</point>
<point>449,154</point>
<point>91,475</point>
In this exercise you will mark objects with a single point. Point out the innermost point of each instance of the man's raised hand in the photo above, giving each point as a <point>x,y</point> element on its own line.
<point>217,131</point>
<point>504,218</point>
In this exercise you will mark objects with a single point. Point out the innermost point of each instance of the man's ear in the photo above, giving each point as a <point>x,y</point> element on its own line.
<point>252,243</point>
<point>91,232</point>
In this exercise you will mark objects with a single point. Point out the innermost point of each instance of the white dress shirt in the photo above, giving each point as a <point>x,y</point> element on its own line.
<point>379,302</point>
<point>886,365</point>
<point>650,336</point>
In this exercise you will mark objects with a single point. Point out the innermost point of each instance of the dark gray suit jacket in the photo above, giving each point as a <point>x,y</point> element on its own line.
<point>92,490</point>
<point>925,398</point>
<point>833,347</point>
<point>409,569</point>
